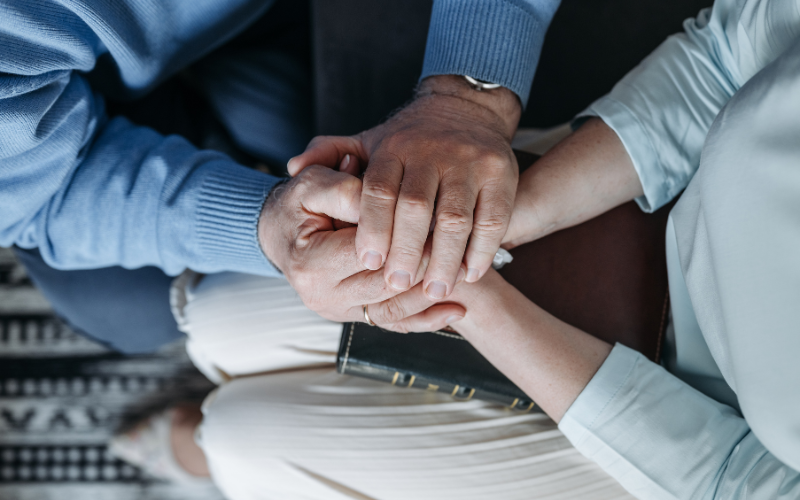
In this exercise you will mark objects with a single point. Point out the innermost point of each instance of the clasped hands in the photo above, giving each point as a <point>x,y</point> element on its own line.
<point>442,163</point>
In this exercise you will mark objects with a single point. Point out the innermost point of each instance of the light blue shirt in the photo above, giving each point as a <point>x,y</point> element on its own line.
<point>724,97</point>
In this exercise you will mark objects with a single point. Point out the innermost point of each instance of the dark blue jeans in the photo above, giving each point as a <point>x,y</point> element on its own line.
<point>126,310</point>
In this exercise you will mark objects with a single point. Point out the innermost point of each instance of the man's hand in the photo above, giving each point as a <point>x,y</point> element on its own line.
<point>298,232</point>
<point>447,152</point>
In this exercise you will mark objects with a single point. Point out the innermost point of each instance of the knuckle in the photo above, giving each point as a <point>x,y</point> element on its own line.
<point>490,225</point>
<point>404,252</point>
<point>379,190</point>
<point>393,312</point>
<point>495,161</point>
<point>453,220</point>
<point>416,204</point>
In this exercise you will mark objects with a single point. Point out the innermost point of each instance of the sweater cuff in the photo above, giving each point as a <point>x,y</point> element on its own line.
<point>228,210</point>
<point>498,41</point>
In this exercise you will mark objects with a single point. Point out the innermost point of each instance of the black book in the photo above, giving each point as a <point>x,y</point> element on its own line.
<point>438,361</point>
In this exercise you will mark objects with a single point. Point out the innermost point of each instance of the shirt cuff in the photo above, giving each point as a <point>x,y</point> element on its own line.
<point>498,41</point>
<point>598,393</point>
<point>228,211</point>
<point>659,188</point>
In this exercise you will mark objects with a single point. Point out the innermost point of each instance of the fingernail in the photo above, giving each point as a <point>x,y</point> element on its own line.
<point>372,260</point>
<point>401,280</point>
<point>473,275</point>
<point>460,276</point>
<point>453,319</point>
<point>345,162</point>
<point>436,290</point>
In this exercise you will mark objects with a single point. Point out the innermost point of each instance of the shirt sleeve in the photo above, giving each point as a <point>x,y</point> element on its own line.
<point>93,192</point>
<point>662,110</point>
<point>492,40</point>
<point>662,439</point>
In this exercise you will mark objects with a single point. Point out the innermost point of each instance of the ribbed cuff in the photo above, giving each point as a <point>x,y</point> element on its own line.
<point>659,189</point>
<point>498,41</point>
<point>227,219</point>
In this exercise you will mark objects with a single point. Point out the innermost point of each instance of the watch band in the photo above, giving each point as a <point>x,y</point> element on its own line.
<point>480,85</point>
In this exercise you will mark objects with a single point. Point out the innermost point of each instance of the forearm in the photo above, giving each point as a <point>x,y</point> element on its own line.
<point>548,359</point>
<point>585,175</point>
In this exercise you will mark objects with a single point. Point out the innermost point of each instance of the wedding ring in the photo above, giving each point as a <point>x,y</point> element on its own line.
<point>366,317</point>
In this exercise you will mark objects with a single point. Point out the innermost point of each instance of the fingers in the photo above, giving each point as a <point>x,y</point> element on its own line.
<point>332,193</point>
<point>413,311</point>
<point>378,199</point>
<point>412,220</point>
<point>457,198</point>
<point>492,216</point>
<point>329,151</point>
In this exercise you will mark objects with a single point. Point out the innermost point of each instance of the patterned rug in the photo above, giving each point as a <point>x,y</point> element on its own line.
<point>62,396</point>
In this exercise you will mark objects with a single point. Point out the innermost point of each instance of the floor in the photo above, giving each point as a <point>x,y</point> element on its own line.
<point>62,397</point>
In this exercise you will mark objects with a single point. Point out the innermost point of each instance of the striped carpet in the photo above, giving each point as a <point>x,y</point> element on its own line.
<point>62,396</point>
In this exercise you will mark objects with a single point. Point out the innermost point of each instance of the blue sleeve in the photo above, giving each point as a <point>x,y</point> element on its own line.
<point>661,439</point>
<point>493,40</point>
<point>91,192</point>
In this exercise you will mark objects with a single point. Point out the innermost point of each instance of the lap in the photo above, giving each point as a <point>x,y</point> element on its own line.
<point>315,434</point>
<point>304,431</point>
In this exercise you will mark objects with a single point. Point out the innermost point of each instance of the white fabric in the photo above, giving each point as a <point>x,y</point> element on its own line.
<point>240,324</point>
<point>310,433</point>
<point>737,236</point>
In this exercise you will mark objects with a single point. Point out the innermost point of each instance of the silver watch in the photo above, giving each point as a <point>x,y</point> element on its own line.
<point>481,84</point>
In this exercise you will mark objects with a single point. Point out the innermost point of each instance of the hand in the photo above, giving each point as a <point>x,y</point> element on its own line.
<point>548,359</point>
<point>298,232</point>
<point>449,150</point>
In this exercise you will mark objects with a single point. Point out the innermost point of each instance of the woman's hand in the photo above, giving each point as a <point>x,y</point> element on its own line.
<point>583,176</point>
<point>548,359</point>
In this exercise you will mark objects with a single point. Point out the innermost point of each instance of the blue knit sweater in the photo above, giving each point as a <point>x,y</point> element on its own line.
<point>92,192</point>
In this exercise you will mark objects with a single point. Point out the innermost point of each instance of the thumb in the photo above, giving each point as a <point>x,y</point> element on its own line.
<point>332,193</point>
<point>330,151</point>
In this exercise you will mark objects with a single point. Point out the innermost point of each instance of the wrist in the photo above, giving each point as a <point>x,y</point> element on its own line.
<point>500,107</point>
<point>268,226</point>
<point>486,301</point>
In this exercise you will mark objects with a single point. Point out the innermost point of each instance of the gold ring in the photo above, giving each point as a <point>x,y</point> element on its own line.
<point>366,317</point>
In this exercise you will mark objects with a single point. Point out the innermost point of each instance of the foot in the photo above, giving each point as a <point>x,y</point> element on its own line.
<point>164,446</point>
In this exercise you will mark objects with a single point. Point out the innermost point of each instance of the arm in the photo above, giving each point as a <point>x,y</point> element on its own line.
<point>662,110</point>
<point>653,433</point>
<point>583,176</point>
<point>91,192</point>
<point>447,155</point>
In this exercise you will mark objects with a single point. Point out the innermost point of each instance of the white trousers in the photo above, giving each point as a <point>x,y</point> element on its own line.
<point>284,425</point>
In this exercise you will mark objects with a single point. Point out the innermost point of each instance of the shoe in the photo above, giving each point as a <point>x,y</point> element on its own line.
<point>148,447</point>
